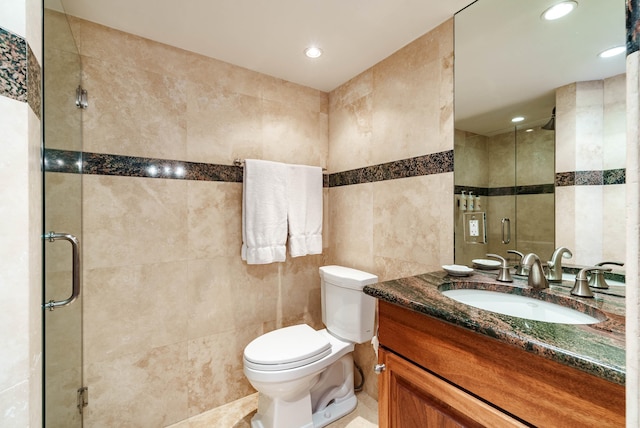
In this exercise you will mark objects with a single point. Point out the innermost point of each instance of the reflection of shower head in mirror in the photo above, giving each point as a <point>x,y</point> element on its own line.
<point>551,125</point>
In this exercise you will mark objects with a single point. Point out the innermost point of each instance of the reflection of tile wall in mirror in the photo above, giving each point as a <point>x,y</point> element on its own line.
<point>591,136</point>
<point>535,224</point>
<point>471,159</point>
<point>501,163</point>
<point>535,157</point>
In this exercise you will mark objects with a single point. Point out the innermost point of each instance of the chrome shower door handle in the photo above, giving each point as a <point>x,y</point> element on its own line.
<point>75,269</point>
<point>506,223</point>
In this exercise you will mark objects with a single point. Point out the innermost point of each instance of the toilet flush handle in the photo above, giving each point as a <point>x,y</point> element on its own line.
<point>379,368</point>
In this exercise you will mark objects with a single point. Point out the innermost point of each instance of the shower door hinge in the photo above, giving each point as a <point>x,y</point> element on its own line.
<point>83,398</point>
<point>82,99</point>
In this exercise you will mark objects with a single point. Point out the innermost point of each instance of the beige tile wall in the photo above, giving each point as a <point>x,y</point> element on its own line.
<point>591,135</point>
<point>21,232</point>
<point>220,71</point>
<point>471,169</point>
<point>168,304</point>
<point>400,108</point>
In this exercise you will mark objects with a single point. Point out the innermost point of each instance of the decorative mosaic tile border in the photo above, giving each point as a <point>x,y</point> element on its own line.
<point>572,178</point>
<point>591,178</point>
<point>34,83</point>
<point>130,166</point>
<point>13,66</point>
<point>436,163</point>
<point>20,72</point>
<point>535,189</point>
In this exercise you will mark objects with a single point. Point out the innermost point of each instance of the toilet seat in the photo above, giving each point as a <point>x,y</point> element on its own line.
<point>286,348</point>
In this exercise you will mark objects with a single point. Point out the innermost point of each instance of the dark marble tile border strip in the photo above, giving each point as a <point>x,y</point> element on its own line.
<point>435,163</point>
<point>479,191</point>
<point>20,72</point>
<point>13,66</point>
<point>535,189</point>
<point>34,83</point>
<point>130,166</point>
<point>591,178</point>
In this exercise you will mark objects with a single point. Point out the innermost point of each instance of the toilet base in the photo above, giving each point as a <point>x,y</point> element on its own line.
<point>334,411</point>
<point>331,398</point>
<point>321,418</point>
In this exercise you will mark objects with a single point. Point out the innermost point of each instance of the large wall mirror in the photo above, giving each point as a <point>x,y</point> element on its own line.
<point>556,178</point>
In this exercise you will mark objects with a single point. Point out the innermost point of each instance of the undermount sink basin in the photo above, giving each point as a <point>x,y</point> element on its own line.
<point>519,306</point>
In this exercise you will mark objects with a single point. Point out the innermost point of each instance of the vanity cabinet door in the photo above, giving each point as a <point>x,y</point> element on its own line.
<point>411,397</point>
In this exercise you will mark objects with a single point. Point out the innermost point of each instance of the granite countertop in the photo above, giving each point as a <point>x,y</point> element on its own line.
<point>598,349</point>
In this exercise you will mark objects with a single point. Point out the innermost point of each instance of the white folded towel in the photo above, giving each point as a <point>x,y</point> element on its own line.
<point>304,197</point>
<point>264,212</point>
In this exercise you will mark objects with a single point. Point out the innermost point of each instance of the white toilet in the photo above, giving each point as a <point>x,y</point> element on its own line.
<point>305,377</point>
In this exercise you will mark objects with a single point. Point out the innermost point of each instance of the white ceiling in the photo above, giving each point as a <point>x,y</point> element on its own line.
<point>498,64</point>
<point>270,36</point>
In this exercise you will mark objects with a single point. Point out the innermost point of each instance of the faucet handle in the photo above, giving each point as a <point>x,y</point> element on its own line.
<point>504,275</point>
<point>610,263</point>
<point>516,252</point>
<point>581,286</point>
<point>596,280</point>
<point>520,268</point>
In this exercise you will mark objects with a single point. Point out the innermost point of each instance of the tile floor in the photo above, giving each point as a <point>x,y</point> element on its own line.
<point>238,414</point>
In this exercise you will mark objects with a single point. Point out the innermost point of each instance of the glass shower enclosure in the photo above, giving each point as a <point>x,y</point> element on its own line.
<point>63,392</point>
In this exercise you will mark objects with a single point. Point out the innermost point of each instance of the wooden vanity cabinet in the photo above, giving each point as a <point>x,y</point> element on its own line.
<point>411,397</point>
<point>440,375</point>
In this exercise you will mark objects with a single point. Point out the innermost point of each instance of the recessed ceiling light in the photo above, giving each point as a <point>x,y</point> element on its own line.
<point>517,119</point>
<point>313,52</point>
<point>612,52</point>
<point>559,10</point>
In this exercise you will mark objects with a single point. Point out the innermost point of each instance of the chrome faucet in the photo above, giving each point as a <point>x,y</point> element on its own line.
<point>596,280</point>
<point>536,279</point>
<point>555,265</point>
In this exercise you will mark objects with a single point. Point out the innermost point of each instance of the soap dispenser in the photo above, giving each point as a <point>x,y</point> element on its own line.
<point>463,201</point>
<point>504,275</point>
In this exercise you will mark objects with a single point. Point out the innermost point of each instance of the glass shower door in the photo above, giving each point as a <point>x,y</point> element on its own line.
<point>62,228</point>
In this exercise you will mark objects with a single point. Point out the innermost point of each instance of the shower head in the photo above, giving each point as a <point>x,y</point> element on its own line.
<point>551,125</point>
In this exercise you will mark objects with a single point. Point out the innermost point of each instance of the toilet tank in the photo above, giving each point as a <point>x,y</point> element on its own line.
<point>347,312</point>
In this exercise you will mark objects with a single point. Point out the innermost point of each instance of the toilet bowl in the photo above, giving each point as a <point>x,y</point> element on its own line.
<point>305,377</point>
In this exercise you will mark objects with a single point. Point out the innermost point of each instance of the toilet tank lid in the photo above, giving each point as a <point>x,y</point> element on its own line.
<point>347,277</point>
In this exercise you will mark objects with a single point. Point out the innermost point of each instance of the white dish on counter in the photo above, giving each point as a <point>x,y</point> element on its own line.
<point>486,263</point>
<point>457,270</point>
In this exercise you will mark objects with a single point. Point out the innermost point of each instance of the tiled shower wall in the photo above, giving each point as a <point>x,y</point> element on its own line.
<point>21,213</point>
<point>169,306</point>
<point>514,174</point>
